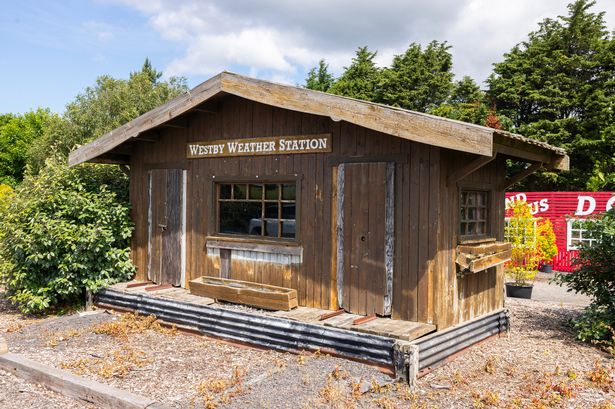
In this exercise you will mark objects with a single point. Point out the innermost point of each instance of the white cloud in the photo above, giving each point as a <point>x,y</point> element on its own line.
<point>278,39</point>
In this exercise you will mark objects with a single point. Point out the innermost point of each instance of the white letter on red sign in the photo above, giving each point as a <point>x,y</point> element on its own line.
<point>610,203</point>
<point>581,206</point>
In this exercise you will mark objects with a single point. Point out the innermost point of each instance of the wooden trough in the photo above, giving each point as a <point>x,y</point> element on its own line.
<point>268,297</point>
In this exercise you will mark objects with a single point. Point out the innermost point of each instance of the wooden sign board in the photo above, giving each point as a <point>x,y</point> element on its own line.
<point>275,145</point>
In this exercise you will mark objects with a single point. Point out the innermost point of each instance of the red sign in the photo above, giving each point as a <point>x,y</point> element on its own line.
<point>563,209</point>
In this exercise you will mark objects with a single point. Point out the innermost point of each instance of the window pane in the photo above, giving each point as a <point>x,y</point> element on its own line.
<point>272,192</point>
<point>256,192</point>
<point>289,192</point>
<point>271,210</point>
<point>288,211</point>
<point>239,192</point>
<point>240,218</point>
<point>225,191</point>
<point>288,229</point>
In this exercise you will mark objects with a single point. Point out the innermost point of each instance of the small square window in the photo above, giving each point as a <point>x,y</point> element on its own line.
<point>473,213</point>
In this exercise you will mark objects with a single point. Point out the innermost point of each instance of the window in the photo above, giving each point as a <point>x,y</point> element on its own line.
<point>257,209</point>
<point>521,230</point>
<point>473,213</point>
<point>577,234</point>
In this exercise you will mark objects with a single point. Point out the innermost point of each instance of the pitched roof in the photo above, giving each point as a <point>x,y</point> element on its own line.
<point>406,124</point>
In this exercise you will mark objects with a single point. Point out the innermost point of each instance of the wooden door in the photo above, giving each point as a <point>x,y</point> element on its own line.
<point>367,237</point>
<point>165,249</point>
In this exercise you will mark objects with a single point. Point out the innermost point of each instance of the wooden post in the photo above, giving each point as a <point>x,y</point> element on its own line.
<point>406,361</point>
<point>89,300</point>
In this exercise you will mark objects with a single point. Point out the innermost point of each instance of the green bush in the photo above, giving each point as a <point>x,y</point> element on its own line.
<point>64,231</point>
<point>595,277</point>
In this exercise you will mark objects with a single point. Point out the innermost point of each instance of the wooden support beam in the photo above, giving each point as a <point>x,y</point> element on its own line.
<point>464,171</point>
<point>517,177</point>
<point>331,314</point>
<point>158,287</point>
<point>138,284</point>
<point>365,319</point>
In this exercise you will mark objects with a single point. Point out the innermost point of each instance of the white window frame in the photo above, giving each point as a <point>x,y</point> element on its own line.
<point>569,238</point>
<point>507,224</point>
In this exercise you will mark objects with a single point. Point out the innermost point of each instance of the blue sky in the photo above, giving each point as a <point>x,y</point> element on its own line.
<point>52,50</point>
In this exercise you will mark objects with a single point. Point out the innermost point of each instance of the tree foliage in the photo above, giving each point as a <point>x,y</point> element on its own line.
<point>101,108</point>
<point>361,78</point>
<point>17,133</point>
<point>594,277</point>
<point>64,231</point>
<point>559,87</point>
<point>319,78</point>
<point>418,79</point>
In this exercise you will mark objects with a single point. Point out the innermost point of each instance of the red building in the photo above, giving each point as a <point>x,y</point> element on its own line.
<point>566,210</point>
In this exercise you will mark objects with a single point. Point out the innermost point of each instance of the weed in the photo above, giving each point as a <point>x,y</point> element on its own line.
<point>600,376</point>
<point>490,365</point>
<point>119,363</point>
<point>486,399</point>
<point>385,402</point>
<point>55,339</point>
<point>220,391</point>
<point>132,324</point>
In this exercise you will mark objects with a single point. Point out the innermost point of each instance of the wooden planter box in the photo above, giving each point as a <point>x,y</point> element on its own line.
<point>263,296</point>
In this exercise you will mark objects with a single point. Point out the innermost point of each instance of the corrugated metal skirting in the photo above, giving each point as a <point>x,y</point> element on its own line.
<point>292,336</point>
<point>436,348</point>
<point>271,332</point>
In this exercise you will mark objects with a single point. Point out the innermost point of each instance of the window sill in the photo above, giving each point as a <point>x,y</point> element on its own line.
<point>249,244</point>
<point>475,239</point>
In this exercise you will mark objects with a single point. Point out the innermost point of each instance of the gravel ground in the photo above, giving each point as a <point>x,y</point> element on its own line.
<point>538,365</point>
<point>17,393</point>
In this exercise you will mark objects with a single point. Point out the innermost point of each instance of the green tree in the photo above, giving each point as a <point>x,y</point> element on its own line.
<point>594,277</point>
<point>418,79</point>
<point>101,108</point>
<point>360,79</point>
<point>466,103</point>
<point>559,87</point>
<point>466,91</point>
<point>65,230</point>
<point>17,133</point>
<point>319,78</point>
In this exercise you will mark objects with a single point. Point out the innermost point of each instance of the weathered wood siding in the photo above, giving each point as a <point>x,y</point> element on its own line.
<point>423,278</point>
<point>461,299</point>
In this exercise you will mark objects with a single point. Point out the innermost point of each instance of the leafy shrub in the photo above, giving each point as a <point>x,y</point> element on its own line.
<point>66,230</point>
<point>545,237</point>
<point>595,277</point>
<point>520,232</point>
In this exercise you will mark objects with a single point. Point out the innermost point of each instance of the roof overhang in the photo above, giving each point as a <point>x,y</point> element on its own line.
<point>405,124</point>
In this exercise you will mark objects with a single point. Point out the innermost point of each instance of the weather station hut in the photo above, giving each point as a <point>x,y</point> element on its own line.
<point>366,230</point>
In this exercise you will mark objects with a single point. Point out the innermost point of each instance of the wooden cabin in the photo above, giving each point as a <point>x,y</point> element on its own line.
<point>355,205</point>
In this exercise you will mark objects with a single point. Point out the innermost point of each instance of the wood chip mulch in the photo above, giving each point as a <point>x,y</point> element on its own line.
<point>539,365</point>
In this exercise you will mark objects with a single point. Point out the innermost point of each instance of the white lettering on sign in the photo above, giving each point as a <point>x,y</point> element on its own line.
<point>610,203</point>
<point>582,210</point>
<point>260,146</point>
<point>541,205</point>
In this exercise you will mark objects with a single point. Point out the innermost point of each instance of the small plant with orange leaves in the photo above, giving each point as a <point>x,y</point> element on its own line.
<point>132,324</point>
<point>601,376</point>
